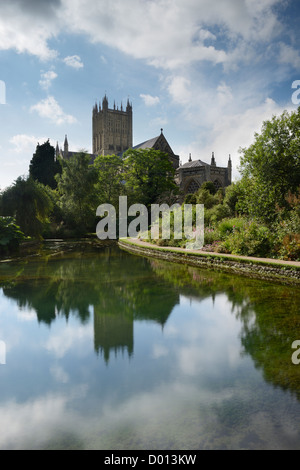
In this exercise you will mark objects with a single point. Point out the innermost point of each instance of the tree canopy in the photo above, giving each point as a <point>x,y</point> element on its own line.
<point>43,166</point>
<point>270,167</point>
<point>148,173</point>
<point>29,202</point>
<point>110,183</point>
<point>76,188</point>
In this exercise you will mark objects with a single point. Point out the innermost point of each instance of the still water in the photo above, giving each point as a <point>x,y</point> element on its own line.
<point>107,350</point>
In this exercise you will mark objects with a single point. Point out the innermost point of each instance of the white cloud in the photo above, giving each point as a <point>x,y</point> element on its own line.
<point>50,109</point>
<point>47,79</point>
<point>24,143</point>
<point>150,100</point>
<point>59,374</point>
<point>180,89</point>
<point>231,131</point>
<point>63,341</point>
<point>73,61</point>
<point>28,30</point>
<point>289,55</point>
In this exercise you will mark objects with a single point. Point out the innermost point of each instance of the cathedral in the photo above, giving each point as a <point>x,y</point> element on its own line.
<point>112,134</point>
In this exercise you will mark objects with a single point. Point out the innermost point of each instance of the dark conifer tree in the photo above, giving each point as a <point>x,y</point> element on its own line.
<point>43,165</point>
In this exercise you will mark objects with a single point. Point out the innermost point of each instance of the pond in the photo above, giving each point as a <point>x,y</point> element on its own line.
<point>106,350</point>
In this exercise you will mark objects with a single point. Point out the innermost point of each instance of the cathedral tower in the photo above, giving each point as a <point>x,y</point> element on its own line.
<point>112,128</point>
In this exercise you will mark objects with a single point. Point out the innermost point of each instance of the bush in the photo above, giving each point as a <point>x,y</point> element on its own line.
<point>250,238</point>
<point>209,185</point>
<point>288,233</point>
<point>10,235</point>
<point>190,199</point>
<point>229,226</point>
<point>206,198</point>
<point>216,214</point>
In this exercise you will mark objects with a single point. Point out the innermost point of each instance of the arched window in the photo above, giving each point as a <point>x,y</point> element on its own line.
<point>217,184</point>
<point>192,187</point>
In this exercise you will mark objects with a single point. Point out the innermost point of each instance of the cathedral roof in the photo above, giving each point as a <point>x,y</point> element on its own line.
<point>193,164</point>
<point>149,144</point>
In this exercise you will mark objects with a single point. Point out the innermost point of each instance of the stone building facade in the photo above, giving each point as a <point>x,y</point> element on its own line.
<point>112,128</point>
<point>112,134</point>
<point>160,143</point>
<point>194,173</point>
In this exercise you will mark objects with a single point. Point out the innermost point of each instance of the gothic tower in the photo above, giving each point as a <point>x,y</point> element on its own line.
<point>112,128</point>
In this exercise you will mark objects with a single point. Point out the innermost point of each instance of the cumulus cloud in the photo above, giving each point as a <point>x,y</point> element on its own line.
<point>47,79</point>
<point>192,29</point>
<point>196,51</point>
<point>24,143</point>
<point>231,131</point>
<point>289,55</point>
<point>50,109</point>
<point>150,100</point>
<point>27,27</point>
<point>74,61</point>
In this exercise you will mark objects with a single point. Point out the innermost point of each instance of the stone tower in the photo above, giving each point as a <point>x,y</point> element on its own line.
<point>112,128</point>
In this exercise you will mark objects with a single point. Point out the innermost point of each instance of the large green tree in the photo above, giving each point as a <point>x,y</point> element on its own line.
<point>76,188</point>
<point>148,174</point>
<point>29,203</point>
<point>43,165</point>
<point>270,167</point>
<point>110,184</point>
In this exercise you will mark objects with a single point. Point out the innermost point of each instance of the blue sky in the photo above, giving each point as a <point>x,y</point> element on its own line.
<point>208,72</point>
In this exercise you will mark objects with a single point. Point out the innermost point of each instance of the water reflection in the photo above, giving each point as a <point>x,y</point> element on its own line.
<point>269,315</point>
<point>138,353</point>
<point>80,282</point>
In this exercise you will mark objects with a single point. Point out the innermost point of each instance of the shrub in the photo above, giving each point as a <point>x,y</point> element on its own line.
<point>206,198</point>
<point>209,185</point>
<point>217,213</point>
<point>288,233</point>
<point>10,235</point>
<point>249,239</point>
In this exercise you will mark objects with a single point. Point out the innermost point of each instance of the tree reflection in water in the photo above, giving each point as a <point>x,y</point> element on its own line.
<point>85,280</point>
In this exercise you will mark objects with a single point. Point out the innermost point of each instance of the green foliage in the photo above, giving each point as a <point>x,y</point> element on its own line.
<point>272,165</point>
<point>205,197</point>
<point>248,238</point>
<point>234,197</point>
<point>29,203</point>
<point>190,199</point>
<point>43,166</point>
<point>77,195</point>
<point>216,213</point>
<point>209,185</point>
<point>10,235</point>
<point>148,173</point>
<point>288,230</point>
<point>110,183</point>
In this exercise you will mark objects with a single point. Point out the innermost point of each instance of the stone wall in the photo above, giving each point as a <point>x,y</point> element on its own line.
<point>262,270</point>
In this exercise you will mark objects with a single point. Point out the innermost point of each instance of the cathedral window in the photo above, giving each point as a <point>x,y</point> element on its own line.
<point>217,184</point>
<point>192,187</point>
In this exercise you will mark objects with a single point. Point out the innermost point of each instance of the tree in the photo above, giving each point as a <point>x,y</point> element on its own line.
<point>10,235</point>
<point>76,187</point>
<point>148,174</point>
<point>209,185</point>
<point>110,184</point>
<point>29,203</point>
<point>271,165</point>
<point>43,166</point>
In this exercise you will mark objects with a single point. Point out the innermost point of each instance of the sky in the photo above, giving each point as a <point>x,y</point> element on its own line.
<point>209,72</point>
